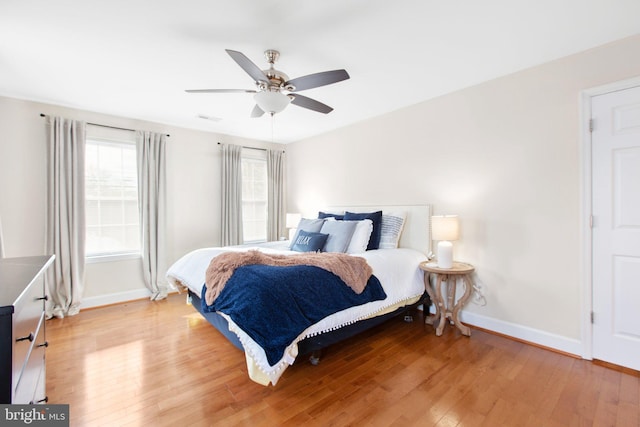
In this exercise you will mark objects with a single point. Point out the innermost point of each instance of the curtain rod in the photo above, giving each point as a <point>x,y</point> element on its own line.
<point>252,148</point>
<point>105,126</point>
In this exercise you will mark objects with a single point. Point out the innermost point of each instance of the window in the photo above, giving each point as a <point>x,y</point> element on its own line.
<point>111,187</point>
<point>254,195</point>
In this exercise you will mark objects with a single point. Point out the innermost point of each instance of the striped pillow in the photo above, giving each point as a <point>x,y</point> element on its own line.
<point>392,224</point>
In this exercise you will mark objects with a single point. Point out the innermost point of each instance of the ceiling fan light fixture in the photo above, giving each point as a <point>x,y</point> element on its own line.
<point>271,102</point>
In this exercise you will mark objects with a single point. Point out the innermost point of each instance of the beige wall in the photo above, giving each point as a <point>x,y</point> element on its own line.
<point>505,156</point>
<point>193,186</point>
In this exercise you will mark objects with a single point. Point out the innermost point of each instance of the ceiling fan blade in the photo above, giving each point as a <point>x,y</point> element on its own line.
<point>256,112</point>
<point>220,91</point>
<point>318,79</point>
<point>248,66</point>
<point>311,104</point>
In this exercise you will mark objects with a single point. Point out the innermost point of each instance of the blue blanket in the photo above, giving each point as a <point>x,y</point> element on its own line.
<point>273,305</point>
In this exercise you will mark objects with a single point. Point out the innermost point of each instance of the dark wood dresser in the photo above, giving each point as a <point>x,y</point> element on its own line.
<point>23,342</point>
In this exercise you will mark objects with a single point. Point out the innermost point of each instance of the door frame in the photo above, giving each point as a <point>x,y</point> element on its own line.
<point>586,190</point>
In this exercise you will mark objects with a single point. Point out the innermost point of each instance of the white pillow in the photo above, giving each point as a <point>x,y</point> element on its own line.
<point>360,237</point>
<point>391,229</point>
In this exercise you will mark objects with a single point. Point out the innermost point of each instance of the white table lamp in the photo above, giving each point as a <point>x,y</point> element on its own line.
<point>291,222</point>
<point>445,228</point>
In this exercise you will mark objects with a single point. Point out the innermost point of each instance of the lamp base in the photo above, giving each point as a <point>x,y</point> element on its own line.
<point>445,254</point>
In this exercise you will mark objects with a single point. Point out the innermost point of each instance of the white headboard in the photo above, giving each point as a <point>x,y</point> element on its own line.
<point>416,233</point>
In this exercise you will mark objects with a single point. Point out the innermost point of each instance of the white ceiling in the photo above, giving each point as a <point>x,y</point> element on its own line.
<point>135,58</point>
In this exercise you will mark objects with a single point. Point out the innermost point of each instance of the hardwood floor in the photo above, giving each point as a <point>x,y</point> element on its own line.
<point>159,363</point>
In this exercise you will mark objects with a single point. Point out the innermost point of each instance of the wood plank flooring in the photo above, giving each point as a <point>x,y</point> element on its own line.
<point>160,363</point>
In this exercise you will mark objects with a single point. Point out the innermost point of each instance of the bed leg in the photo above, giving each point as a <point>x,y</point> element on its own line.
<point>314,359</point>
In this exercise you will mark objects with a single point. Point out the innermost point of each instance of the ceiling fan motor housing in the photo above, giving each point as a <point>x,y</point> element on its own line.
<point>276,77</point>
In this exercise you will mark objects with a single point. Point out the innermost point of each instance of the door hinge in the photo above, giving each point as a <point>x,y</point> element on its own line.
<point>591,125</point>
<point>593,316</point>
<point>590,221</point>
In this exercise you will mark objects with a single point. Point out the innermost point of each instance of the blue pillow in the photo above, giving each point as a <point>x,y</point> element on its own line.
<point>340,233</point>
<point>305,224</point>
<point>376,218</point>
<point>307,241</point>
<point>330,215</point>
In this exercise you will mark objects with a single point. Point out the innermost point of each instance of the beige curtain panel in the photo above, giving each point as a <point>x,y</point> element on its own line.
<point>65,226</point>
<point>232,232</point>
<point>276,212</point>
<point>150,148</point>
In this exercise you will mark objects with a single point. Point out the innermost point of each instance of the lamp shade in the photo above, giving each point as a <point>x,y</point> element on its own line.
<point>445,227</point>
<point>271,102</point>
<point>292,220</point>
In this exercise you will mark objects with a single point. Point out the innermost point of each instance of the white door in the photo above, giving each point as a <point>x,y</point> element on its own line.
<point>616,227</point>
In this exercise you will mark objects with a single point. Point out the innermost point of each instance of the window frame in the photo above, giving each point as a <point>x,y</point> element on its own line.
<point>118,138</point>
<point>256,154</point>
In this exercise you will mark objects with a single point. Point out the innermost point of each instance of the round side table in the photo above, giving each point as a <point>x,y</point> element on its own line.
<point>448,308</point>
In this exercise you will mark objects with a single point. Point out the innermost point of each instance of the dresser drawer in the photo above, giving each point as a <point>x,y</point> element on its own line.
<point>27,385</point>
<point>28,317</point>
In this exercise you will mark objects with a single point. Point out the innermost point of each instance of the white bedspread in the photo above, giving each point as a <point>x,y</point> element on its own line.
<point>397,270</point>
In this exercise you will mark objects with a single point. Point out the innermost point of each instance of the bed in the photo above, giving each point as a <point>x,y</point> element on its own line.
<point>394,268</point>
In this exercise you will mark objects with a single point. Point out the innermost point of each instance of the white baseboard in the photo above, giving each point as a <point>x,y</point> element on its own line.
<point>525,333</point>
<point>116,298</point>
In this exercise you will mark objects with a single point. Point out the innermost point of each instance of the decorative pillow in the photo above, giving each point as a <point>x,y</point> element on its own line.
<point>306,241</point>
<point>339,232</point>
<point>361,236</point>
<point>330,215</point>
<point>376,217</point>
<point>391,228</point>
<point>309,225</point>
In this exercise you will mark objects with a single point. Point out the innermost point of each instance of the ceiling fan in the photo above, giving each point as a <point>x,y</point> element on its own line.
<point>274,89</point>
